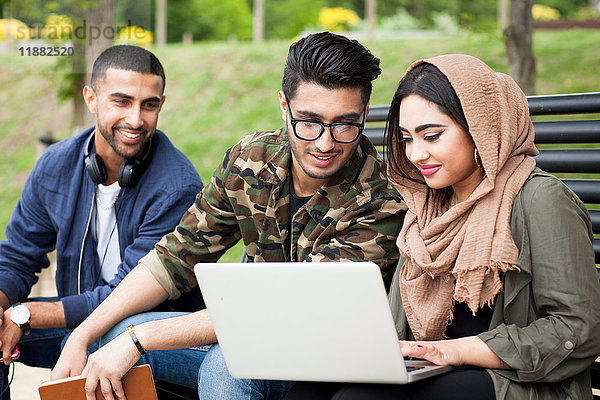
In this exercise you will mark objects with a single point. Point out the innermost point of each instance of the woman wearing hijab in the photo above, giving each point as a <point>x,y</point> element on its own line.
<point>497,274</point>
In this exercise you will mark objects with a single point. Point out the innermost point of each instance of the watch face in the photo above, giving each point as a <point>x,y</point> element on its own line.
<point>20,314</point>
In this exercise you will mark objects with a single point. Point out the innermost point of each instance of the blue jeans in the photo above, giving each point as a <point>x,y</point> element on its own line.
<point>215,382</point>
<point>175,366</point>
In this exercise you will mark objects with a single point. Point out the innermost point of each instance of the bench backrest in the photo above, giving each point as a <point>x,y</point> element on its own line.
<point>569,148</point>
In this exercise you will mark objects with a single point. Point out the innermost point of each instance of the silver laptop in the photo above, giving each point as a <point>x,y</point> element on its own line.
<point>306,322</point>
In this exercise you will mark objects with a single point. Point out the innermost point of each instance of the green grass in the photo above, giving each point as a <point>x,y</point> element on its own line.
<point>217,92</point>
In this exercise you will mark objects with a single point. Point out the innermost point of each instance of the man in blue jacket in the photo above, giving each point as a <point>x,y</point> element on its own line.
<point>101,199</point>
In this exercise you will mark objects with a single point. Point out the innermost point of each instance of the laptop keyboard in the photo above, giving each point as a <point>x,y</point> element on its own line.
<point>412,368</point>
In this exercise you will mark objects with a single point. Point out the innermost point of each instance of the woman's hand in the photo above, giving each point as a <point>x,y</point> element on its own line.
<point>439,352</point>
<point>470,350</point>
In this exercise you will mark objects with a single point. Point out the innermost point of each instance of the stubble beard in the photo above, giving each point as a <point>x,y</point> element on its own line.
<point>297,153</point>
<point>110,136</point>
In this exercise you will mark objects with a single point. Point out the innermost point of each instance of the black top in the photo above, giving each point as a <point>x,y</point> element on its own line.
<point>295,203</point>
<point>467,324</point>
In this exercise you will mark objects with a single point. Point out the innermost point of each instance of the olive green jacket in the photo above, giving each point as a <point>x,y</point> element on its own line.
<point>546,322</point>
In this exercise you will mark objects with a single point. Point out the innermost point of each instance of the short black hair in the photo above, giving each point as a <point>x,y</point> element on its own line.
<point>332,61</point>
<point>427,81</point>
<point>128,58</point>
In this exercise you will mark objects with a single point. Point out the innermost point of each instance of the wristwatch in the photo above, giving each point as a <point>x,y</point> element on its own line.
<point>20,315</point>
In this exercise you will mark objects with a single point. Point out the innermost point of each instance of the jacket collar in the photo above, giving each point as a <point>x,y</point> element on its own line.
<point>275,171</point>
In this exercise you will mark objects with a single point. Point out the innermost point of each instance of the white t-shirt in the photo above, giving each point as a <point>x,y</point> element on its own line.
<point>105,230</point>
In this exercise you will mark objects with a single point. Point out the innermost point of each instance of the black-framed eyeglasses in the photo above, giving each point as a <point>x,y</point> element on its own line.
<point>341,132</point>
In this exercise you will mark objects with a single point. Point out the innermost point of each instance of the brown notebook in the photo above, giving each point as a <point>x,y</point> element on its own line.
<point>137,383</point>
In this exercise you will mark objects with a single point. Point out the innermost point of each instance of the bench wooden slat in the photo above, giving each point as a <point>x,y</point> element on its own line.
<point>569,160</point>
<point>546,132</point>
<point>574,131</point>
<point>588,190</point>
<point>375,135</point>
<point>595,216</point>
<point>576,103</point>
<point>378,113</point>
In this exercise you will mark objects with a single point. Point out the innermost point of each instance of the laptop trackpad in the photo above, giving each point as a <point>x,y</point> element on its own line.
<point>419,369</point>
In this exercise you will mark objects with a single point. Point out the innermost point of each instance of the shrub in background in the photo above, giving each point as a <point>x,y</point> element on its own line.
<point>338,19</point>
<point>444,22</point>
<point>544,13</point>
<point>401,21</point>
<point>58,28</point>
<point>11,27</point>
<point>566,8</point>
<point>134,35</point>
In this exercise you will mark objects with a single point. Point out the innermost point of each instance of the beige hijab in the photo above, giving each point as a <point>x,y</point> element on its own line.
<point>456,253</point>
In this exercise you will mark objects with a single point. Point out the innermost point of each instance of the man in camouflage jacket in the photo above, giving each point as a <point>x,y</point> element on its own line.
<point>355,217</point>
<point>315,191</point>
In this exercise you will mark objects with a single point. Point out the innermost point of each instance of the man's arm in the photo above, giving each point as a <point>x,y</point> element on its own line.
<point>165,334</point>
<point>43,315</point>
<point>139,291</point>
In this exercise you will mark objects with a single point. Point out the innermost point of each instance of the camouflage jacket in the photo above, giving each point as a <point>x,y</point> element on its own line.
<point>356,217</point>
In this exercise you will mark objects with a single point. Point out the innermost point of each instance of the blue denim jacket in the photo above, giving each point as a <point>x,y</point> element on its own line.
<point>54,211</point>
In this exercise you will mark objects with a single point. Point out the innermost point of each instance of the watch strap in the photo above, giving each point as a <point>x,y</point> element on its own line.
<point>25,328</point>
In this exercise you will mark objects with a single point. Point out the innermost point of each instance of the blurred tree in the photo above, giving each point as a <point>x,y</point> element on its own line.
<point>161,22</point>
<point>370,16</point>
<point>92,15</point>
<point>258,20</point>
<point>209,19</point>
<point>518,39</point>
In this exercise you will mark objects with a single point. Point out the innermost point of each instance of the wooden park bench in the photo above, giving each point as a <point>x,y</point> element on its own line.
<point>569,147</point>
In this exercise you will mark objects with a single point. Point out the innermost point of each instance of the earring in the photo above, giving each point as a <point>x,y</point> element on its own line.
<point>478,160</point>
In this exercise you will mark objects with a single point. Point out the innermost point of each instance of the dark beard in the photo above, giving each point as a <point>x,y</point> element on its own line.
<point>110,138</point>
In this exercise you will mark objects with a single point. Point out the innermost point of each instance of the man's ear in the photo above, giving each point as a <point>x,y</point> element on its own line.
<point>162,101</point>
<point>89,96</point>
<point>283,105</point>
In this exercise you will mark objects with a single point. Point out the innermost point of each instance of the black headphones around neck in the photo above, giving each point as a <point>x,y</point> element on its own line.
<point>129,173</point>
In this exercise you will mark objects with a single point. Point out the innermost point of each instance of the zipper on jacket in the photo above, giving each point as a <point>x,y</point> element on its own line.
<point>87,227</point>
